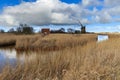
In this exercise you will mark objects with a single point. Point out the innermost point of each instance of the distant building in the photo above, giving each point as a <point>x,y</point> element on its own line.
<point>45,31</point>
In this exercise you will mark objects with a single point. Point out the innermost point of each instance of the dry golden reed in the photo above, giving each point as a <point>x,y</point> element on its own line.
<point>54,41</point>
<point>49,42</point>
<point>93,61</point>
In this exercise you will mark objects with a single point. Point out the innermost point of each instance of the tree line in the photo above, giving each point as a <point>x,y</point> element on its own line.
<point>26,29</point>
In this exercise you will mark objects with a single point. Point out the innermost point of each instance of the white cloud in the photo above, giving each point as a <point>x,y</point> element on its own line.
<point>111,3</point>
<point>43,12</point>
<point>7,20</point>
<point>57,12</point>
<point>103,18</point>
<point>114,10</point>
<point>90,2</point>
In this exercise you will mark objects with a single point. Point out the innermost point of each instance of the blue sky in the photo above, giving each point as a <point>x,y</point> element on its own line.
<point>97,15</point>
<point>16,2</point>
<point>4,3</point>
<point>71,1</point>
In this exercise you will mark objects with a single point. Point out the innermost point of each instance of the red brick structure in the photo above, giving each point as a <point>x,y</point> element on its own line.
<point>45,31</point>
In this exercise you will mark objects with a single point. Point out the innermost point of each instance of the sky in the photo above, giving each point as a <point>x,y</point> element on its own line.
<point>97,15</point>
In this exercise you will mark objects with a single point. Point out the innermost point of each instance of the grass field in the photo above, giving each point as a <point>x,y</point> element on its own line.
<point>93,61</point>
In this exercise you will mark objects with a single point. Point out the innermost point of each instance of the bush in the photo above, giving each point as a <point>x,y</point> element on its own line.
<point>77,31</point>
<point>2,31</point>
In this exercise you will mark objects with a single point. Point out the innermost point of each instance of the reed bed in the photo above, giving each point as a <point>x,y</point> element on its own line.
<point>49,42</point>
<point>93,61</point>
<point>54,41</point>
<point>114,36</point>
<point>7,40</point>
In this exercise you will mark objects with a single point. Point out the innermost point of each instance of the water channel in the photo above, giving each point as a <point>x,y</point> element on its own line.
<point>9,56</point>
<point>102,38</point>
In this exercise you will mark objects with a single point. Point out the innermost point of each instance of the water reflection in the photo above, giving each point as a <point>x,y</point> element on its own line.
<point>7,56</point>
<point>11,56</point>
<point>102,38</point>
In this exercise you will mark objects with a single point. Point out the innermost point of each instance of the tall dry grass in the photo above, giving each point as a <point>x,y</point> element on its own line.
<point>94,61</point>
<point>7,39</point>
<point>114,36</point>
<point>49,42</point>
<point>54,41</point>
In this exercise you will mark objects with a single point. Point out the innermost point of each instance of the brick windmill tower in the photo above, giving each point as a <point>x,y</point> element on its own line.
<point>83,28</point>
